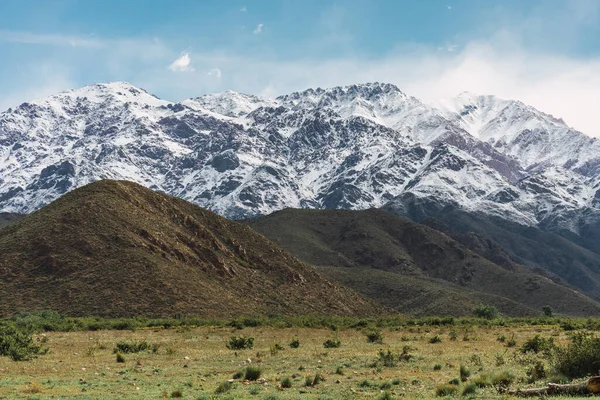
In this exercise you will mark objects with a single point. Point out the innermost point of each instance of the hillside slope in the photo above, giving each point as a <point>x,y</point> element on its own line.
<point>412,267</point>
<point>115,248</point>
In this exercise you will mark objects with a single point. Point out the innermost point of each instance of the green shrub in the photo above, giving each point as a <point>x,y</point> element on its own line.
<point>294,343</point>
<point>580,358</point>
<point>120,357</point>
<point>176,394</point>
<point>454,381</point>
<point>483,381</point>
<point>240,343</point>
<point>464,373</point>
<point>536,372</point>
<point>313,381</point>
<point>471,388</point>
<point>224,387</point>
<point>446,390</point>
<point>487,312</point>
<point>453,335</point>
<point>252,373</point>
<point>437,367</point>
<point>547,311</point>
<point>501,338</point>
<point>435,339</point>
<point>254,390</point>
<point>131,347</point>
<point>385,396</point>
<point>502,379</point>
<point>18,345</point>
<point>395,381</point>
<point>374,336</point>
<point>537,344</point>
<point>339,371</point>
<point>332,343</point>
<point>385,386</point>
<point>286,382</point>
<point>367,384</point>
<point>238,375</point>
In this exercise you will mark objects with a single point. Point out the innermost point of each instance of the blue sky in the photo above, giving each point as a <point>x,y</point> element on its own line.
<point>544,52</point>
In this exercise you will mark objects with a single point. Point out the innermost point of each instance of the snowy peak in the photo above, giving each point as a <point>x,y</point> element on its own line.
<point>229,103</point>
<point>355,146</point>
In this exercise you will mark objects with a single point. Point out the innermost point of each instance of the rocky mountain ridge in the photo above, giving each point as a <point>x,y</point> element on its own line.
<point>351,147</point>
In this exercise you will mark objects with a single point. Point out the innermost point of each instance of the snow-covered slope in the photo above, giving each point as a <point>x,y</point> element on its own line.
<point>354,147</point>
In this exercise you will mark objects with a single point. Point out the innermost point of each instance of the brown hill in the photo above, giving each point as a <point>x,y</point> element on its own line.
<point>115,248</point>
<point>414,268</point>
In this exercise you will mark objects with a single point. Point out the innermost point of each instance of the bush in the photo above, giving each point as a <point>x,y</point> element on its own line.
<point>502,379</point>
<point>374,336</point>
<point>286,382</point>
<point>435,339</point>
<point>464,373</point>
<point>332,343</point>
<point>176,394</point>
<point>536,372</point>
<point>437,367</point>
<point>252,373</point>
<point>487,312</point>
<point>294,343</point>
<point>389,359</point>
<point>224,387</point>
<point>446,390</point>
<point>18,345</point>
<point>240,343</point>
<point>120,357</point>
<point>537,344</point>
<point>471,388</point>
<point>131,347</point>
<point>309,382</point>
<point>579,358</point>
<point>238,375</point>
<point>385,396</point>
<point>547,310</point>
<point>483,381</point>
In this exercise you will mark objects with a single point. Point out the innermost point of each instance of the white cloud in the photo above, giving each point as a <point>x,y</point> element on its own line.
<point>258,29</point>
<point>49,39</point>
<point>216,72</point>
<point>243,9</point>
<point>449,7</point>
<point>182,64</point>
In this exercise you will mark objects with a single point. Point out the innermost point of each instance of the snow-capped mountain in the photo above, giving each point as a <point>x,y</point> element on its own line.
<point>353,147</point>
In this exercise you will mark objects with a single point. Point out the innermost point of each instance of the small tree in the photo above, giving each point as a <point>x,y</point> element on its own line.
<point>487,312</point>
<point>547,310</point>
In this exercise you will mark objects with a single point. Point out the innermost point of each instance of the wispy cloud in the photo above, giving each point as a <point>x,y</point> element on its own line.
<point>243,9</point>
<point>216,72</point>
<point>258,29</point>
<point>49,39</point>
<point>182,64</point>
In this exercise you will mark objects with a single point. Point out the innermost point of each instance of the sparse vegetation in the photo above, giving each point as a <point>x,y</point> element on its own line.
<point>199,351</point>
<point>240,343</point>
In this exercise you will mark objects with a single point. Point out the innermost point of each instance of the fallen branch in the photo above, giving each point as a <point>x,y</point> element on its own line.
<point>591,386</point>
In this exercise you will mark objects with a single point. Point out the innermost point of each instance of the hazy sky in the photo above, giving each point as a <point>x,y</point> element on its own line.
<point>543,52</point>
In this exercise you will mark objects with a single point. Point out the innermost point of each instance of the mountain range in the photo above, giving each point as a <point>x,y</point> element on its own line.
<point>499,168</point>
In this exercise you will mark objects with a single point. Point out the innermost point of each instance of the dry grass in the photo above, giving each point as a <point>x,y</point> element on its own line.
<point>195,362</point>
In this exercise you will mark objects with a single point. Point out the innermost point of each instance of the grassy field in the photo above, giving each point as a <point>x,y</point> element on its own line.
<point>193,362</point>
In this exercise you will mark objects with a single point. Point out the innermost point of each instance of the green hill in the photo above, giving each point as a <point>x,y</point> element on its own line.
<point>115,248</point>
<point>414,268</point>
